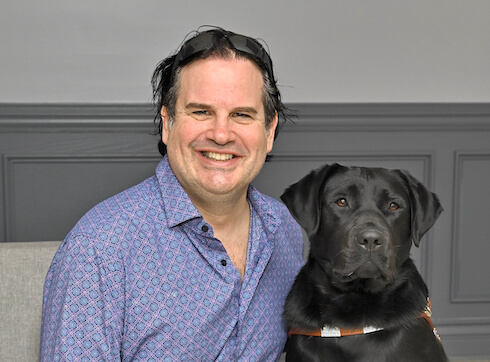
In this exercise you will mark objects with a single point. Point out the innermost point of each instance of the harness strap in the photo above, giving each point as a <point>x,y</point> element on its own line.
<point>334,331</point>
<point>329,332</point>
<point>426,315</point>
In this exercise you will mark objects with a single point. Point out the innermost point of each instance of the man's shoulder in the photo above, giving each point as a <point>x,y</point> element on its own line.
<point>130,204</point>
<point>129,200</point>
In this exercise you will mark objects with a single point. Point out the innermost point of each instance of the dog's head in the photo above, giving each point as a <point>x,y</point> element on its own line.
<point>361,221</point>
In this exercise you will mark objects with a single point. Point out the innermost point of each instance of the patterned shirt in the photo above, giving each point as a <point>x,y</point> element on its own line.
<point>141,278</point>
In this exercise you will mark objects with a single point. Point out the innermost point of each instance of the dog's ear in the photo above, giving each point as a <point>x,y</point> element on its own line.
<point>304,198</point>
<point>424,204</point>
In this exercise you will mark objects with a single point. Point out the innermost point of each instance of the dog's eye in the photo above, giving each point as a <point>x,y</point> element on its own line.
<point>341,202</point>
<point>394,206</point>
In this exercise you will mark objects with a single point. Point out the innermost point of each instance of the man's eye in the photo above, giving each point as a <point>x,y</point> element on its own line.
<point>342,202</point>
<point>242,115</point>
<point>200,113</point>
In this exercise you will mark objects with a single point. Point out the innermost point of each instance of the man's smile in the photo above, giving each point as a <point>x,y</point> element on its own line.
<point>217,156</point>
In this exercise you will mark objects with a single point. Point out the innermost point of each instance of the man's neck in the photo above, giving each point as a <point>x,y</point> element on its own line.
<point>231,225</point>
<point>225,214</point>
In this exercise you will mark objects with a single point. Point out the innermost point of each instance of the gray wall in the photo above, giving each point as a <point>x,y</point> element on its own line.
<point>323,50</point>
<point>57,161</point>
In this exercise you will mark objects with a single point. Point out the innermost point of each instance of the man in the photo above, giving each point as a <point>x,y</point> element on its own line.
<point>193,263</point>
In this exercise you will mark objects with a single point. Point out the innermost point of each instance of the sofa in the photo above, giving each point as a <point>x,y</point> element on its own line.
<point>23,267</point>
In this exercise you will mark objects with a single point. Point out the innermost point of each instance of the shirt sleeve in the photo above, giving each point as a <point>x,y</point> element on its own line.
<point>83,303</point>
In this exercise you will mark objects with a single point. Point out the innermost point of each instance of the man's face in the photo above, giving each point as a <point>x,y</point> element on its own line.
<point>218,142</point>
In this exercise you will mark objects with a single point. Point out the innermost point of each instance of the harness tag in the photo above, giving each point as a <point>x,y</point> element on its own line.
<point>330,332</point>
<point>371,329</point>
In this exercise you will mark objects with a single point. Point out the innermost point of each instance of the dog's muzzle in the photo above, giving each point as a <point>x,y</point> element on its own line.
<point>369,251</point>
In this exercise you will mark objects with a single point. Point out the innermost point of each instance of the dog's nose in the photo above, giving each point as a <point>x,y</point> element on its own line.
<point>370,238</point>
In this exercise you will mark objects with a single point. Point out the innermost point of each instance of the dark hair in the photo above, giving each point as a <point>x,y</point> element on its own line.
<point>218,43</point>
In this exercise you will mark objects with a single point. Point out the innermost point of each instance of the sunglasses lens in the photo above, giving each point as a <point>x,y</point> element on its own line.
<point>250,46</point>
<point>197,45</point>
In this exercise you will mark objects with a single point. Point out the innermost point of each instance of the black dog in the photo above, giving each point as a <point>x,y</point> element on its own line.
<point>359,281</point>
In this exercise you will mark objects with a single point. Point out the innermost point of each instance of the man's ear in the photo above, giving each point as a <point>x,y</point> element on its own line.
<point>165,124</point>
<point>271,132</point>
<point>425,207</point>
<point>304,198</point>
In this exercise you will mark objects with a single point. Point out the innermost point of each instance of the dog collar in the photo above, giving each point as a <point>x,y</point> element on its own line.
<point>335,332</point>
<point>328,332</point>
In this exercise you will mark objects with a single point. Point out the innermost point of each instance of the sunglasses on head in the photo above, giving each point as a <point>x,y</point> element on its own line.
<point>206,40</point>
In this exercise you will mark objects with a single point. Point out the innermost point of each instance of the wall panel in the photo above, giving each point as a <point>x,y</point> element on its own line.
<point>46,195</point>
<point>471,246</point>
<point>57,161</point>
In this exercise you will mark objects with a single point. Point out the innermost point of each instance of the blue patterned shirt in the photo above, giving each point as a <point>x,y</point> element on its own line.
<point>141,278</point>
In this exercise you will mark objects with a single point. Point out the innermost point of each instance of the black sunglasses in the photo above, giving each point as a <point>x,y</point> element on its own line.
<point>206,40</point>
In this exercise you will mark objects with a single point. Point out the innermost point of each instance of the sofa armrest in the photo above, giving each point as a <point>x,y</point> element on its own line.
<point>23,268</point>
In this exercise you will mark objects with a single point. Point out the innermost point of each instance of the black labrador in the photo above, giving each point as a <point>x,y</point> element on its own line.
<point>359,297</point>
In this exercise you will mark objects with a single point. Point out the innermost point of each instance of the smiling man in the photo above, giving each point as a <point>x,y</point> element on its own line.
<point>193,263</point>
<point>218,144</point>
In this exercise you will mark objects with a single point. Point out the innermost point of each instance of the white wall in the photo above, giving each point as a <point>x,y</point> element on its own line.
<point>324,51</point>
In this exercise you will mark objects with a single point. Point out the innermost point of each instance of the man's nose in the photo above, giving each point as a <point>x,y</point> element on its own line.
<point>221,130</point>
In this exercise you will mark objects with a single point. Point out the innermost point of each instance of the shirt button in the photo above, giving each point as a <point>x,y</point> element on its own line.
<point>205,228</point>
<point>223,262</point>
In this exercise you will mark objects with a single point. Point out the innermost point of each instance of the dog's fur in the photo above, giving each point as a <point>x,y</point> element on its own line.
<point>361,223</point>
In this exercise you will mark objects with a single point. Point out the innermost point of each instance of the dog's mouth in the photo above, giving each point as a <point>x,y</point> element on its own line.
<point>366,270</point>
<point>369,271</point>
<point>367,278</point>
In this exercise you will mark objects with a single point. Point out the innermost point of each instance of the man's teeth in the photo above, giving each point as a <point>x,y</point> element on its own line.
<point>218,156</point>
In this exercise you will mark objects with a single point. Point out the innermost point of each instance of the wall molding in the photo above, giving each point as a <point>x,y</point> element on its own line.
<point>427,138</point>
<point>311,117</point>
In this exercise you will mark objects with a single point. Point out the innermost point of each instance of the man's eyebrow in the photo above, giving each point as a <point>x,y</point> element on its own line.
<point>251,110</point>
<point>194,105</point>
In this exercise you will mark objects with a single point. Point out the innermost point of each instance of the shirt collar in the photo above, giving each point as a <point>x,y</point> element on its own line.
<point>267,209</point>
<point>176,203</point>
